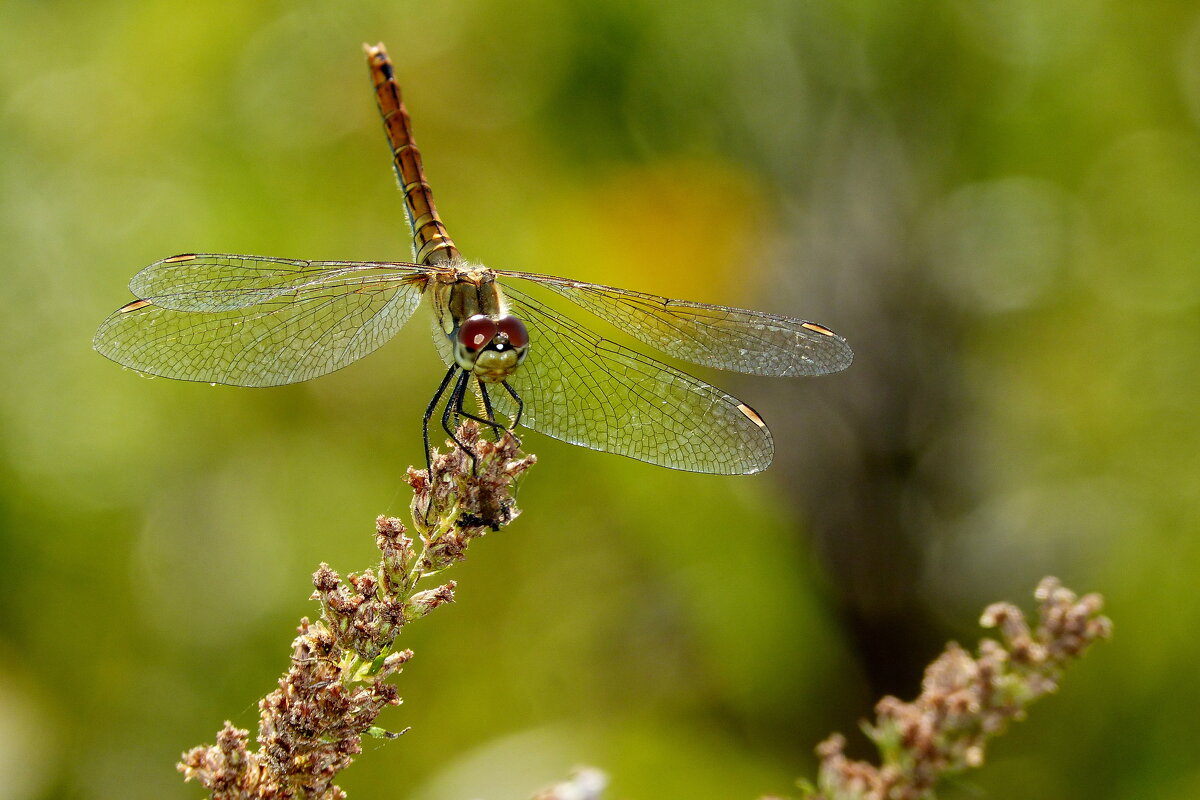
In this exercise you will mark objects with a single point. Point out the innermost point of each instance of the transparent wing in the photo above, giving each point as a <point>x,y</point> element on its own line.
<point>586,390</point>
<point>716,336</point>
<point>254,321</point>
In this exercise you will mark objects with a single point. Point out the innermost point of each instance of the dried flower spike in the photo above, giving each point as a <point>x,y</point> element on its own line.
<point>311,727</point>
<point>965,700</point>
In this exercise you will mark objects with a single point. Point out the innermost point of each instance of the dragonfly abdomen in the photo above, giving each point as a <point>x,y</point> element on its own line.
<point>432,245</point>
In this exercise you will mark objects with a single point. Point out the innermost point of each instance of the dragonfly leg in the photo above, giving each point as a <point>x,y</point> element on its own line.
<point>517,399</point>
<point>454,408</point>
<point>515,420</point>
<point>487,409</point>
<point>437,396</point>
<point>490,419</point>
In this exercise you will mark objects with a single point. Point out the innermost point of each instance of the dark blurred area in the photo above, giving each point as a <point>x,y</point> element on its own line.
<point>996,204</point>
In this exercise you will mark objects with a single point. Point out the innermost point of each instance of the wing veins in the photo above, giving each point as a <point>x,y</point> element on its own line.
<point>740,339</point>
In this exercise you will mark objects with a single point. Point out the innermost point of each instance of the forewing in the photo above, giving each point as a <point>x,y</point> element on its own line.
<point>215,282</point>
<point>586,390</point>
<point>716,336</point>
<point>250,321</point>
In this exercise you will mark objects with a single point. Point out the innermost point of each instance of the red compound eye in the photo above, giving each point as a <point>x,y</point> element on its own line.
<point>476,332</point>
<point>514,329</point>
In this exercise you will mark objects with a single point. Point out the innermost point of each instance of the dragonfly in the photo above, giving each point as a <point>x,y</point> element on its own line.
<point>256,321</point>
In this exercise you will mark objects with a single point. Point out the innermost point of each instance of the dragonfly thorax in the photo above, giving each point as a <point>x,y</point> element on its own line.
<point>490,348</point>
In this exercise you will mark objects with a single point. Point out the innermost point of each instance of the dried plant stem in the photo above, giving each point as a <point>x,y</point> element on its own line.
<point>965,700</point>
<point>311,727</point>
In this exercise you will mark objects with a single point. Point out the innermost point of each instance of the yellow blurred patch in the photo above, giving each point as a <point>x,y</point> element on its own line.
<point>689,230</point>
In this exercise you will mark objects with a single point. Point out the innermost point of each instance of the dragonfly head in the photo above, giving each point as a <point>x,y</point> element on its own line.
<point>491,349</point>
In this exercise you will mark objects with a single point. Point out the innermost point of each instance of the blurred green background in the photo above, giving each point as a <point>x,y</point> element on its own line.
<point>997,203</point>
